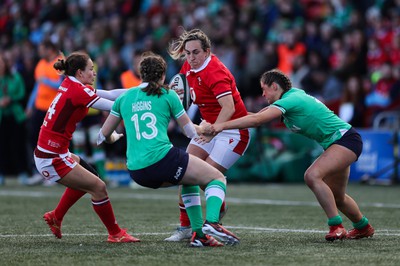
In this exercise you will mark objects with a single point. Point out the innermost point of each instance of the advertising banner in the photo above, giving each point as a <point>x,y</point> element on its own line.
<point>377,158</point>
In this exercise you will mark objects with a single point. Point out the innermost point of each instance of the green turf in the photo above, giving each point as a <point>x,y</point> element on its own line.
<point>278,225</point>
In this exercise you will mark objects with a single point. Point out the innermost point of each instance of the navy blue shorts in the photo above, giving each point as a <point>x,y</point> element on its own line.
<point>351,140</point>
<point>169,169</point>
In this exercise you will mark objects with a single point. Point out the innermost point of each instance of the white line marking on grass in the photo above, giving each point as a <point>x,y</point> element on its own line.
<point>284,230</point>
<point>381,232</point>
<point>240,201</point>
<point>47,235</point>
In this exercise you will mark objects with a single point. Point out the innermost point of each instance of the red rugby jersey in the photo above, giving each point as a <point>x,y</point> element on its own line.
<point>209,83</point>
<point>68,108</point>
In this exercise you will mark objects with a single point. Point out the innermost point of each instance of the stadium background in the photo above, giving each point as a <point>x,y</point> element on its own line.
<point>346,53</point>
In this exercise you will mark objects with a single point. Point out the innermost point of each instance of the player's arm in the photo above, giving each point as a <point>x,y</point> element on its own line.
<point>188,128</point>
<point>102,104</point>
<point>54,84</point>
<point>227,108</point>
<point>247,121</point>
<point>262,110</point>
<point>111,94</point>
<point>107,132</point>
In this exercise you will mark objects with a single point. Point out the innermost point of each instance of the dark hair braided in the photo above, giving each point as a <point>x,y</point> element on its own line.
<point>277,76</point>
<point>152,67</point>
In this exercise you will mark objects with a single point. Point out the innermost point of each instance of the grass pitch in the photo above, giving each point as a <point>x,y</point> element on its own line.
<point>279,224</point>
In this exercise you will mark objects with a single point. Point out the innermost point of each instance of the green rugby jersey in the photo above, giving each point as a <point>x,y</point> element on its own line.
<point>308,116</point>
<point>146,120</point>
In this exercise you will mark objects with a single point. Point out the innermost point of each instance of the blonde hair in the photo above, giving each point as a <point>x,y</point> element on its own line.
<point>176,47</point>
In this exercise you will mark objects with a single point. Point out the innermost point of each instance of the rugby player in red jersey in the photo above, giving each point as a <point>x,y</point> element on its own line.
<point>213,89</point>
<point>56,163</point>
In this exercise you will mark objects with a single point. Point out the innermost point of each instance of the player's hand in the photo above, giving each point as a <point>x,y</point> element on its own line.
<point>114,137</point>
<point>202,139</point>
<point>216,128</point>
<point>206,128</point>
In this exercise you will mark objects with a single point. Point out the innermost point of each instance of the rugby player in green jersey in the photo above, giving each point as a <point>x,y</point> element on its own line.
<point>154,162</point>
<point>328,176</point>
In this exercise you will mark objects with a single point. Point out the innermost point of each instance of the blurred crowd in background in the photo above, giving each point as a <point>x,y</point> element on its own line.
<point>346,53</point>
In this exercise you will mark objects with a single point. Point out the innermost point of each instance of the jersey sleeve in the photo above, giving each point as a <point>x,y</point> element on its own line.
<point>176,104</point>
<point>116,108</point>
<point>86,96</point>
<point>288,104</point>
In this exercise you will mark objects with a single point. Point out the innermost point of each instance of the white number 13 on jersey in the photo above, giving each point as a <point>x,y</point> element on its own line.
<point>151,125</point>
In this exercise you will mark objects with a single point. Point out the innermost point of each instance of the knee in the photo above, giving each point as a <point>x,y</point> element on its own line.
<point>310,178</point>
<point>221,178</point>
<point>100,188</point>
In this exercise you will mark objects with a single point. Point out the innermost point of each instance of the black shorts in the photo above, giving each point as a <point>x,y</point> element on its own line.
<point>169,169</point>
<point>351,140</point>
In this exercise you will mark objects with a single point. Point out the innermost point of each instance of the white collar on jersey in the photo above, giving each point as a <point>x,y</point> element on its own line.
<point>203,66</point>
<point>143,85</point>
<point>75,80</point>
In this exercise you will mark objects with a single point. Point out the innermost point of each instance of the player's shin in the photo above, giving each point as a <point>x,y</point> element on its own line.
<point>191,199</point>
<point>215,195</point>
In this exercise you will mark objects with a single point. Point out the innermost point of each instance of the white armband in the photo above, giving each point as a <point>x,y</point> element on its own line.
<point>100,138</point>
<point>190,131</point>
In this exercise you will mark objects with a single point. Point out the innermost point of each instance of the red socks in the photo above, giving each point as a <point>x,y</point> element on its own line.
<point>68,199</point>
<point>222,207</point>
<point>105,211</point>
<point>183,217</point>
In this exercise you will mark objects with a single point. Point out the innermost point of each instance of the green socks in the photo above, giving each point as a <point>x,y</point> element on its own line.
<point>362,223</point>
<point>215,195</point>
<point>336,220</point>
<point>191,199</point>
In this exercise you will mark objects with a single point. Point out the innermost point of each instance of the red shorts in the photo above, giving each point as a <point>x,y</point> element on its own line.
<point>52,166</point>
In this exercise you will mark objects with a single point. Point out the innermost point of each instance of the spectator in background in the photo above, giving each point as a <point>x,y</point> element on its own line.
<point>312,82</point>
<point>130,77</point>
<point>300,70</point>
<point>13,144</point>
<point>376,56</point>
<point>394,50</point>
<point>352,106</point>
<point>97,26</point>
<point>395,89</point>
<point>254,66</point>
<point>288,49</point>
<point>47,81</point>
<point>380,94</point>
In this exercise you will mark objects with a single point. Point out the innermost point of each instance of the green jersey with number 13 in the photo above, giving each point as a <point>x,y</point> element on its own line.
<point>146,120</point>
